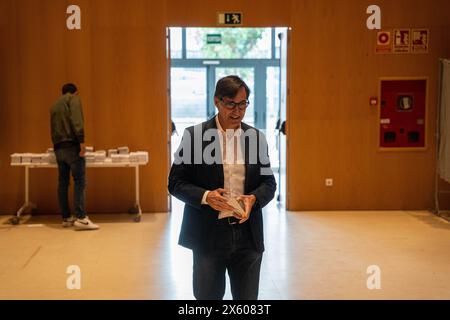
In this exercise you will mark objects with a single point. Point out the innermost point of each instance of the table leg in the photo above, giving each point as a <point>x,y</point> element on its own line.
<point>27,205</point>
<point>137,199</point>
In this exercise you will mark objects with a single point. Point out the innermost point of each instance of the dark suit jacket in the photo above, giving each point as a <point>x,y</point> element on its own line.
<point>189,181</point>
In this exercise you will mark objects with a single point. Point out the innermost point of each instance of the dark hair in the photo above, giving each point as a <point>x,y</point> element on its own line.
<point>229,87</point>
<point>69,88</point>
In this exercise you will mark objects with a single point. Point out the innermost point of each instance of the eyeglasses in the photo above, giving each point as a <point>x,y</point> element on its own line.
<point>231,104</point>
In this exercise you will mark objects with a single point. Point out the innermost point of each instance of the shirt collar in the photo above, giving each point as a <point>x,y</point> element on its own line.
<point>237,132</point>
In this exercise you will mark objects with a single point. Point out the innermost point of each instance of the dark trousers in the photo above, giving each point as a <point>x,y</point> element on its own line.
<point>234,252</point>
<point>69,161</point>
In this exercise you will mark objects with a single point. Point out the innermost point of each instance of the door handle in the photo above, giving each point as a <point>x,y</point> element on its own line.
<point>283,128</point>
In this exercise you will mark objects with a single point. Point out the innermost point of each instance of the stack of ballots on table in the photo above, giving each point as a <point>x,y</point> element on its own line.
<point>112,151</point>
<point>18,158</point>
<point>34,158</point>
<point>120,158</point>
<point>123,150</point>
<point>139,156</point>
<point>96,156</point>
<point>121,154</point>
<point>118,155</point>
<point>124,155</point>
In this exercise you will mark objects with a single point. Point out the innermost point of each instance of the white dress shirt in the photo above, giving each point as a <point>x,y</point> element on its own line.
<point>233,164</point>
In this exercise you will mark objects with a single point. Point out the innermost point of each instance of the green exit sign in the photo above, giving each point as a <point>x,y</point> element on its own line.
<point>230,18</point>
<point>213,38</point>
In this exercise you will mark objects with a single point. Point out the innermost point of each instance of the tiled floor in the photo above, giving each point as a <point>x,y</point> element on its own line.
<point>309,255</point>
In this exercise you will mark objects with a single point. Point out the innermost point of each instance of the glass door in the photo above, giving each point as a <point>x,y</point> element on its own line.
<point>188,99</point>
<point>283,196</point>
<point>199,57</point>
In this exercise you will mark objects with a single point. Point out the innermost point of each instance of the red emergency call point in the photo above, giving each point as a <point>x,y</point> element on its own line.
<point>373,101</point>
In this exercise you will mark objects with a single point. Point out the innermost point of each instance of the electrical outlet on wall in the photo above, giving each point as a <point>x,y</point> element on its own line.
<point>329,182</point>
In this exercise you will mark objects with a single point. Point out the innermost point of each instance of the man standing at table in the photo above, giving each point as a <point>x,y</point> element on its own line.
<point>220,163</point>
<point>67,131</point>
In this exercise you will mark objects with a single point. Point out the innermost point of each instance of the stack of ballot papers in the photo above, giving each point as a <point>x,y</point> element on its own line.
<point>51,157</point>
<point>238,209</point>
<point>33,158</point>
<point>121,154</point>
<point>40,158</point>
<point>123,150</point>
<point>48,158</point>
<point>120,158</point>
<point>112,151</point>
<point>89,157</point>
<point>97,156</point>
<point>16,158</point>
<point>100,156</point>
<point>139,156</point>
<point>26,157</point>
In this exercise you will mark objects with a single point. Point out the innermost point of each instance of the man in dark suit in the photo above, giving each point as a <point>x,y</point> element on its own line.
<point>222,173</point>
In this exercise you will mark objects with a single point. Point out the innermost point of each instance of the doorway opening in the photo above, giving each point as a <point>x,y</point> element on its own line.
<point>201,56</point>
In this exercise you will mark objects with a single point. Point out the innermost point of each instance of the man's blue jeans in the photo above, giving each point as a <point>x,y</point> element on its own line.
<point>233,252</point>
<point>69,161</point>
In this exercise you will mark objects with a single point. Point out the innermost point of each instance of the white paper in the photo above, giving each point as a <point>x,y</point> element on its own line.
<point>238,209</point>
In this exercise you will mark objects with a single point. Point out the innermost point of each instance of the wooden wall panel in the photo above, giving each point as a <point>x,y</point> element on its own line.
<point>200,13</point>
<point>333,131</point>
<point>118,62</point>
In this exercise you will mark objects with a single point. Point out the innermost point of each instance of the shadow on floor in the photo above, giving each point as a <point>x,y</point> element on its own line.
<point>54,221</point>
<point>430,219</point>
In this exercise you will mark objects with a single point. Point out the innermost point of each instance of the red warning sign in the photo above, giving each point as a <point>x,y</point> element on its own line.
<point>384,43</point>
<point>402,40</point>
<point>420,38</point>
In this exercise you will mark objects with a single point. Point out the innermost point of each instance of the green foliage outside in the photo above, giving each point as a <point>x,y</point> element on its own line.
<point>237,43</point>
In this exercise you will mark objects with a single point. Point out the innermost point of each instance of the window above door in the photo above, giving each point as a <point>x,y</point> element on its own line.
<point>197,43</point>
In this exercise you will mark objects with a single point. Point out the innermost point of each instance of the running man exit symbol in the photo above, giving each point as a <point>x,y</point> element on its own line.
<point>230,18</point>
<point>234,18</point>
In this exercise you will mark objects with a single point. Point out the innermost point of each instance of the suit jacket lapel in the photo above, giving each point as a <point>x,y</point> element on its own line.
<point>217,167</point>
<point>244,144</point>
